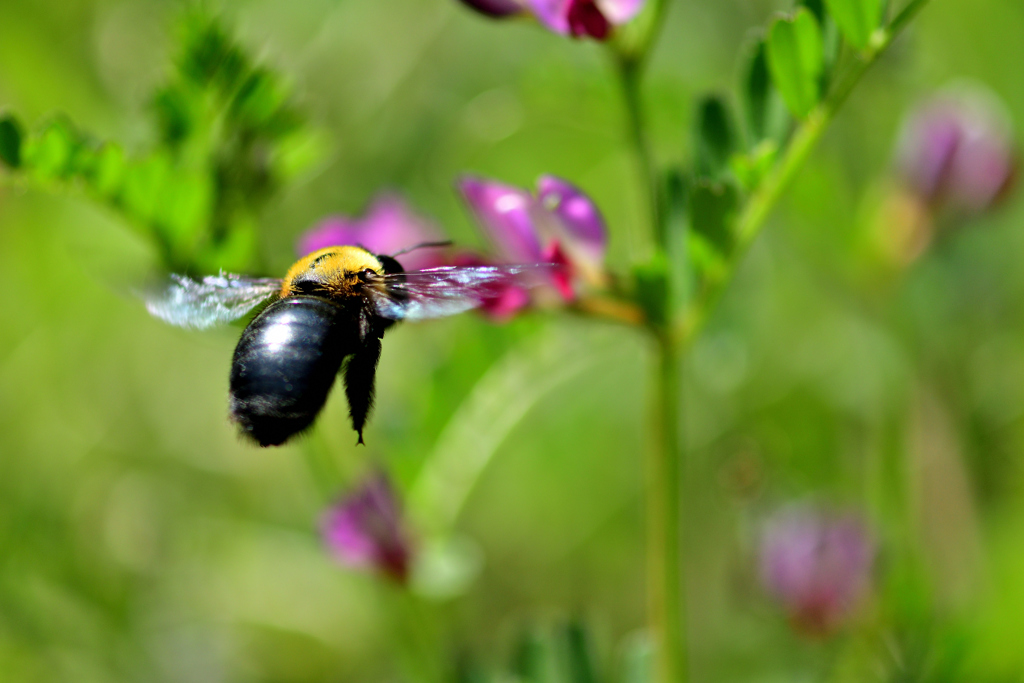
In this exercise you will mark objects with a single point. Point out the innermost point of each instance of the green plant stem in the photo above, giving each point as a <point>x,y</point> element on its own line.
<point>665,470</point>
<point>804,140</point>
<point>665,580</point>
<point>630,72</point>
<point>666,605</point>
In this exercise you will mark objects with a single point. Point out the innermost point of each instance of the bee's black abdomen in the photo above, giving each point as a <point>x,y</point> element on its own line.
<point>284,366</point>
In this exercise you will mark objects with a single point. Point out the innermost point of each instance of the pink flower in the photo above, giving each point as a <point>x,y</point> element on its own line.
<point>578,18</point>
<point>387,228</point>
<point>818,566</point>
<point>496,8</point>
<point>507,299</point>
<point>560,225</point>
<point>365,530</point>
<point>956,150</point>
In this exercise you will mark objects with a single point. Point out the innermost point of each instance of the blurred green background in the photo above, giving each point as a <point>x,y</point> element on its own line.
<point>140,540</point>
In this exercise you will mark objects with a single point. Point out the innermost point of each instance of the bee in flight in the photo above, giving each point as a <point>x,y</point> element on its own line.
<point>330,310</point>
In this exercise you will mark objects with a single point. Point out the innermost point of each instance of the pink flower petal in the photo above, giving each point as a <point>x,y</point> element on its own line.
<point>956,150</point>
<point>331,232</point>
<point>495,8</point>
<point>501,301</point>
<point>554,14</point>
<point>364,530</point>
<point>580,225</point>
<point>817,565</point>
<point>586,19</point>
<point>387,228</point>
<point>562,279</point>
<point>506,213</point>
<point>620,11</point>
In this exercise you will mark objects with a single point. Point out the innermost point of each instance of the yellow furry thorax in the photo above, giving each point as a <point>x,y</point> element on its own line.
<point>333,266</point>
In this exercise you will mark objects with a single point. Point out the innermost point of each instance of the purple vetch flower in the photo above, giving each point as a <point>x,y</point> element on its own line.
<point>560,225</point>
<point>506,301</point>
<point>956,150</point>
<point>578,18</point>
<point>365,530</point>
<point>387,228</point>
<point>817,565</point>
<point>496,8</point>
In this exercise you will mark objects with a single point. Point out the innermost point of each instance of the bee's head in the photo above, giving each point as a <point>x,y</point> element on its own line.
<point>334,271</point>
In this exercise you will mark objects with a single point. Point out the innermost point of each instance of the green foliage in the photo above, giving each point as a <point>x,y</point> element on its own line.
<point>716,137</point>
<point>106,172</point>
<point>52,153</point>
<point>857,19</point>
<point>764,113</point>
<point>10,141</point>
<point>652,289</point>
<point>172,551</point>
<point>830,38</point>
<point>750,169</point>
<point>228,138</point>
<point>560,654</point>
<point>712,213</point>
<point>796,60</point>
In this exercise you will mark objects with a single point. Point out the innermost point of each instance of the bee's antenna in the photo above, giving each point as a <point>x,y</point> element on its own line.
<point>423,245</point>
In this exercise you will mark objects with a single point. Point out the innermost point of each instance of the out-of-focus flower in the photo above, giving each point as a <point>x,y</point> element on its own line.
<point>496,8</point>
<point>956,150</point>
<point>365,530</point>
<point>506,300</point>
<point>817,565</point>
<point>559,225</point>
<point>387,228</point>
<point>578,18</point>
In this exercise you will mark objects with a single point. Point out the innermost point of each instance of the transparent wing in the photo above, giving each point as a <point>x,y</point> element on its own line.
<point>214,300</point>
<point>437,292</point>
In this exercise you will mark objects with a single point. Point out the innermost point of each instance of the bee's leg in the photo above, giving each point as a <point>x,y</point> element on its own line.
<point>359,376</point>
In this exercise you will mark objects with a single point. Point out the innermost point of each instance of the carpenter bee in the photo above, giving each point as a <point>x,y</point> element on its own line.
<point>328,314</point>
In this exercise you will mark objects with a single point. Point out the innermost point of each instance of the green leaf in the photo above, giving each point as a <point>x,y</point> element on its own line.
<point>233,253</point>
<point>51,154</point>
<point>755,91</point>
<point>579,654</point>
<point>261,104</point>
<point>143,187</point>
<point>676,220</point>
<point>532,661</point>
<point>652,289</point>
<point>10,141</point>
<point>175,118</point>
<point>184,208</point>
<point>716,137</point>
<point>299,152</point>
<point>712,210</point>
<point>209,56</point>
<point>857,19</point>
<point>829,37</point>
<point>796,60</point>
<point>765,114</point>
<point>816,7</point>
<point>106,171</point>
<point>751,168</point>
